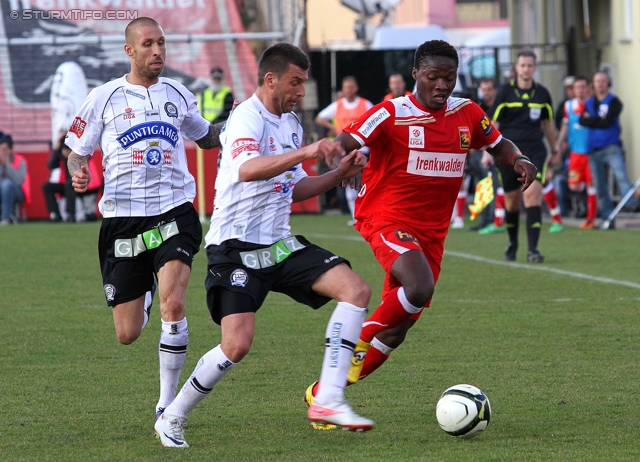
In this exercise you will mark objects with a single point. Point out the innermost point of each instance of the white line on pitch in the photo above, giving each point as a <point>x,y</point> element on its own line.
<point>467,256</point>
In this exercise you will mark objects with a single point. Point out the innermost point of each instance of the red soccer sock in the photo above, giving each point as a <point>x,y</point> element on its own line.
<point>390,313</point>
<point>592,203</point>
<point>461,201</point>
<point>374,359</point>
<point>552,202</point>
<point>498,217</point>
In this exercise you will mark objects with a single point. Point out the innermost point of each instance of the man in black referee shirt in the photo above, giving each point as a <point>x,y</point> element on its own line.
<point>523,113</point>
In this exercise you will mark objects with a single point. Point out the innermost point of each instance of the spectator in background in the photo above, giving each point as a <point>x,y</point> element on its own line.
<point>569,93</point>
<point>216,101</point>
<point>398,86</point>
<point>59,184</point>
<point>560,175</point>
<point>337,116</point>
<point>577,137</point>
<point>15,186</point>
<point>602,117</point>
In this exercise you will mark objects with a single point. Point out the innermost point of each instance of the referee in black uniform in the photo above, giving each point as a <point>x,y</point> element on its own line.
<point>524,114</point>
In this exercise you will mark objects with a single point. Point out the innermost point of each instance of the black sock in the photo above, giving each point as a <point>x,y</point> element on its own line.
<point>534,223</point>
<point>512,220</point>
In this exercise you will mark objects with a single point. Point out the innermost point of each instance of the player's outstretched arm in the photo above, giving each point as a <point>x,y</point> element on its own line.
<point>265,167</point>
<point>212,138</point>
<point>311,186</point>
<point>507,154</point>
<point>78,167</point>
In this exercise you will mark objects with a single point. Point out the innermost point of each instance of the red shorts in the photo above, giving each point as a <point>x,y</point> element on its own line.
<point>390,240</point>
<point>579,172</point>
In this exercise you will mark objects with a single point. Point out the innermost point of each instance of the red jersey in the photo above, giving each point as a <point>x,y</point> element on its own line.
<point>417,160</point>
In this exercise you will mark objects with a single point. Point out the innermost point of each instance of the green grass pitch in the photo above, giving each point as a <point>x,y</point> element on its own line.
<point>554,346</point>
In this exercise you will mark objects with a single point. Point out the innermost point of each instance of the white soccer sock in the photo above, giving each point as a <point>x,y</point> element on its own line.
<point>148,300</point>
<point>172,352</point>
<point>342,335</point>
<point>211,368</point>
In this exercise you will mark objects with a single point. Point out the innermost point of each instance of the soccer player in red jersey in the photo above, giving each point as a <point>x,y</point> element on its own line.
<point>418,145</point>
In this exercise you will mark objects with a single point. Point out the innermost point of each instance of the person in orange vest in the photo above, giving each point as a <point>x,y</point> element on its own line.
<point>338,115</point>
<point>216,101</point>
<point>15,187</point>
<point>398,86</point>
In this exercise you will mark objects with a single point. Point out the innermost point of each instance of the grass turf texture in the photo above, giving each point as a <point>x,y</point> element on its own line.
<point>557,354</point>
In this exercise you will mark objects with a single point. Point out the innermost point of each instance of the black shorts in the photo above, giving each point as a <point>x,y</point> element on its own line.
<point>133,249</point>
<point>241,274</point>
<point>537,154</point>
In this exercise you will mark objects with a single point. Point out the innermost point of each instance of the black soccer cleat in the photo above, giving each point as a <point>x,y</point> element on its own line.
<point>535,257</point>
<point>510,253</point>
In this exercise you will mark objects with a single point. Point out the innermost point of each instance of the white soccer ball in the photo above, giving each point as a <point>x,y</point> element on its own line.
<point>464,411</point>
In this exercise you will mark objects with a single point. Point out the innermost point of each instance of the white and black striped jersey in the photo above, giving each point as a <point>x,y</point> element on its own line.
<point>254,211</point>
<point>140,133</point>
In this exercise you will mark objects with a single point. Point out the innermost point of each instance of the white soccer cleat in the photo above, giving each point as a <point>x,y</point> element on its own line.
<point>170,430</point>
<point>339,413</point>
<point>457,223</point>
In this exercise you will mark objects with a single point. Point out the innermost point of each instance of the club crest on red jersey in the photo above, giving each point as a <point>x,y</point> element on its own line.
<point>404,236</point>
<point>485,124</point>
<point>465,137</point>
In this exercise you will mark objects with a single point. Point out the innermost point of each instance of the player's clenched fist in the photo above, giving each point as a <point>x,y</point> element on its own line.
<point>80,180</point>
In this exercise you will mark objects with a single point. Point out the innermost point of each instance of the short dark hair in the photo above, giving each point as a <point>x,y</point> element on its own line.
<point>349,77</point>
<point>488,80</point>
<point>527,54</point>
<point>580,77</point>
<point>277,59</point>
<point>133,25</point>
<point>434,48</point>
<point>5,138</point>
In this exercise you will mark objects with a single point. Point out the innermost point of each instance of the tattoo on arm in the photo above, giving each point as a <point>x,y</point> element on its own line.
<point>212,139</point>
<point>75,162</point>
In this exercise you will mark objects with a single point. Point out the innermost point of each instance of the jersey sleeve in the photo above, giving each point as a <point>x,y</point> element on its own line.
<point>374,124</point>
<point>86,128</point>
<point>244,131</point>
<point>484,133</point>
<point>547,112</point>
<point>194,126</point>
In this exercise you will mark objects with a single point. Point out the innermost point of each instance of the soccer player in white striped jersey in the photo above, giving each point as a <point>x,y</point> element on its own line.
<point>251,250</point>
<point>150,229</point>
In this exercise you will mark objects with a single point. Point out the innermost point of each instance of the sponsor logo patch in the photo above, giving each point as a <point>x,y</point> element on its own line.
<point>78,127</point>
<point>244,145</point>
<point>465,137</point>
<point>416,137</point>
<point>440,164</point>
<point>146,130</point>
<point>485,125</point>
<point>128,114</point>
<point>296,140</point>
<point>373,121</point>
<point>133,93</point>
